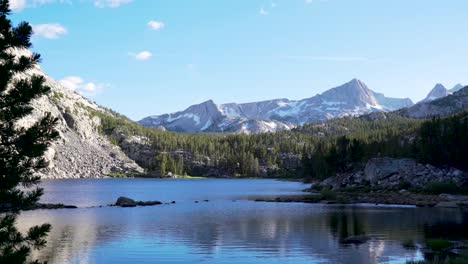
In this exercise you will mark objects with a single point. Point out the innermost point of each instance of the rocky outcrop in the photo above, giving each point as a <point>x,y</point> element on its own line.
<point>127,202</point>
<point>136,147</point>
<point>389,173</point>
<point>82,151</point>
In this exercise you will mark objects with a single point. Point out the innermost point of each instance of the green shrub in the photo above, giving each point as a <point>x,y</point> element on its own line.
<point>408,244</point>
<point>442,187</point>
<point>316,187</point>
<point>328,195</point>
<point>437,244</point>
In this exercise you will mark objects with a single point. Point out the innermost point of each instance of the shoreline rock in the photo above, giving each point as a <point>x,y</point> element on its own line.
<point>127,202</point>
<point>395,174</point>
<point>42,206</point>
<point>382,198</point>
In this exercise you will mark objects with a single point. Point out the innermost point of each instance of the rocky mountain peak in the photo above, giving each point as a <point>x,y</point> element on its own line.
<point>457,88</point>
<point>208,107</point>
<point>446,105</point>
<point>437,92</point>
<point>352,93</point>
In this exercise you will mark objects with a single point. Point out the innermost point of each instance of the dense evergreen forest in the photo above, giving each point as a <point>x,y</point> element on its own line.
<point>313,151</point>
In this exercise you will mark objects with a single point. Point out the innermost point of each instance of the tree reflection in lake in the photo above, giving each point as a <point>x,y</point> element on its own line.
<point>223,231</point>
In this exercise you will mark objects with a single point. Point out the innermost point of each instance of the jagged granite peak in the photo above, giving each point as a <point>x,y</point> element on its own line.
<point>457,88</point>
<point>451,104</point>
<point>254,110</point>
<point>351,98</point>
<point>196,118</point>
<point>81,151</point>
<point>437,92</point>
<point>355,93</point>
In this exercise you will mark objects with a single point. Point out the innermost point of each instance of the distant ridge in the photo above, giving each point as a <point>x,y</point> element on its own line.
<point>349,99</point>
<point>451,104</point>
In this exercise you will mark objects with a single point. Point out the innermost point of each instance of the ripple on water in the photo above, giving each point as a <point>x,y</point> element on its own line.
<point>220,231</point>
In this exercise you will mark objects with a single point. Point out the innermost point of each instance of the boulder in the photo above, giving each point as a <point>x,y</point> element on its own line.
<point>381,168</point>
<point>125,202</point>
<point>447,204</point>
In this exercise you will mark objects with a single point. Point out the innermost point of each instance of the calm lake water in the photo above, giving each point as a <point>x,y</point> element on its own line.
<point>227,229</point>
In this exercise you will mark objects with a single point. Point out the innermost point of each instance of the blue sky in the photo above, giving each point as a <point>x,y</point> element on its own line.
<point>144,57</point>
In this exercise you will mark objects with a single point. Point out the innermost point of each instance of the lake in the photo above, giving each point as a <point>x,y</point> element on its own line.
<point>228,228</point>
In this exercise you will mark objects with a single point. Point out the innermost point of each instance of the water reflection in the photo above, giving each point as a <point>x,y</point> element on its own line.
<point>222,231</point>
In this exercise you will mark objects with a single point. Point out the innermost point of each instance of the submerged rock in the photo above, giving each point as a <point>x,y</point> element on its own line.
<point>51,206</point>
<point>356,239</point>
<point>148,203</point>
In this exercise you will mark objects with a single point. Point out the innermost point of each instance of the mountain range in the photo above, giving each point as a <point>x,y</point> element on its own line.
<point>86,149</point>
<point>350,99</point>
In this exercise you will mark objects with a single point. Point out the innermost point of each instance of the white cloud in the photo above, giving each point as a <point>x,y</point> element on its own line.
<point>78,85</point>
<point>49,31</point>
<point>17,5</point>
<point>155,25</point>
<point>263,11</point>
<point>144,55</point>
<point>42,2</point>
<point>110,3</point>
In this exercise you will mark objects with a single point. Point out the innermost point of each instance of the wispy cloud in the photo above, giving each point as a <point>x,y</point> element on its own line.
<point>143,55</point>
<point>155,25</point>
<point>78,85</point>
<point>326,58</point>
<point>49,31</point>
<point>263,11</point>
<point>314,1</point>
<point>18,5</point>
<point>42,2</point>
<point>110,3</point>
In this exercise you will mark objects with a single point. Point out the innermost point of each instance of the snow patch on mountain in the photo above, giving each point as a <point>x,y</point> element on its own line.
<point>352,98</point>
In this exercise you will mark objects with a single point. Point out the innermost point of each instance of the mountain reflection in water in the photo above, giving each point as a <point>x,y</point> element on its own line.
<point>225,230</point>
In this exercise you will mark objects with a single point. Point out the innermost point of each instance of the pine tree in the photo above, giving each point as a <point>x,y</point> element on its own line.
<point>162,164</point>
<point>21,150</point>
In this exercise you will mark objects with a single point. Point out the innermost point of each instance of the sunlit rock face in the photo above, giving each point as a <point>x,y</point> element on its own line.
<point>350,99</point>
<point>81,151</point>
